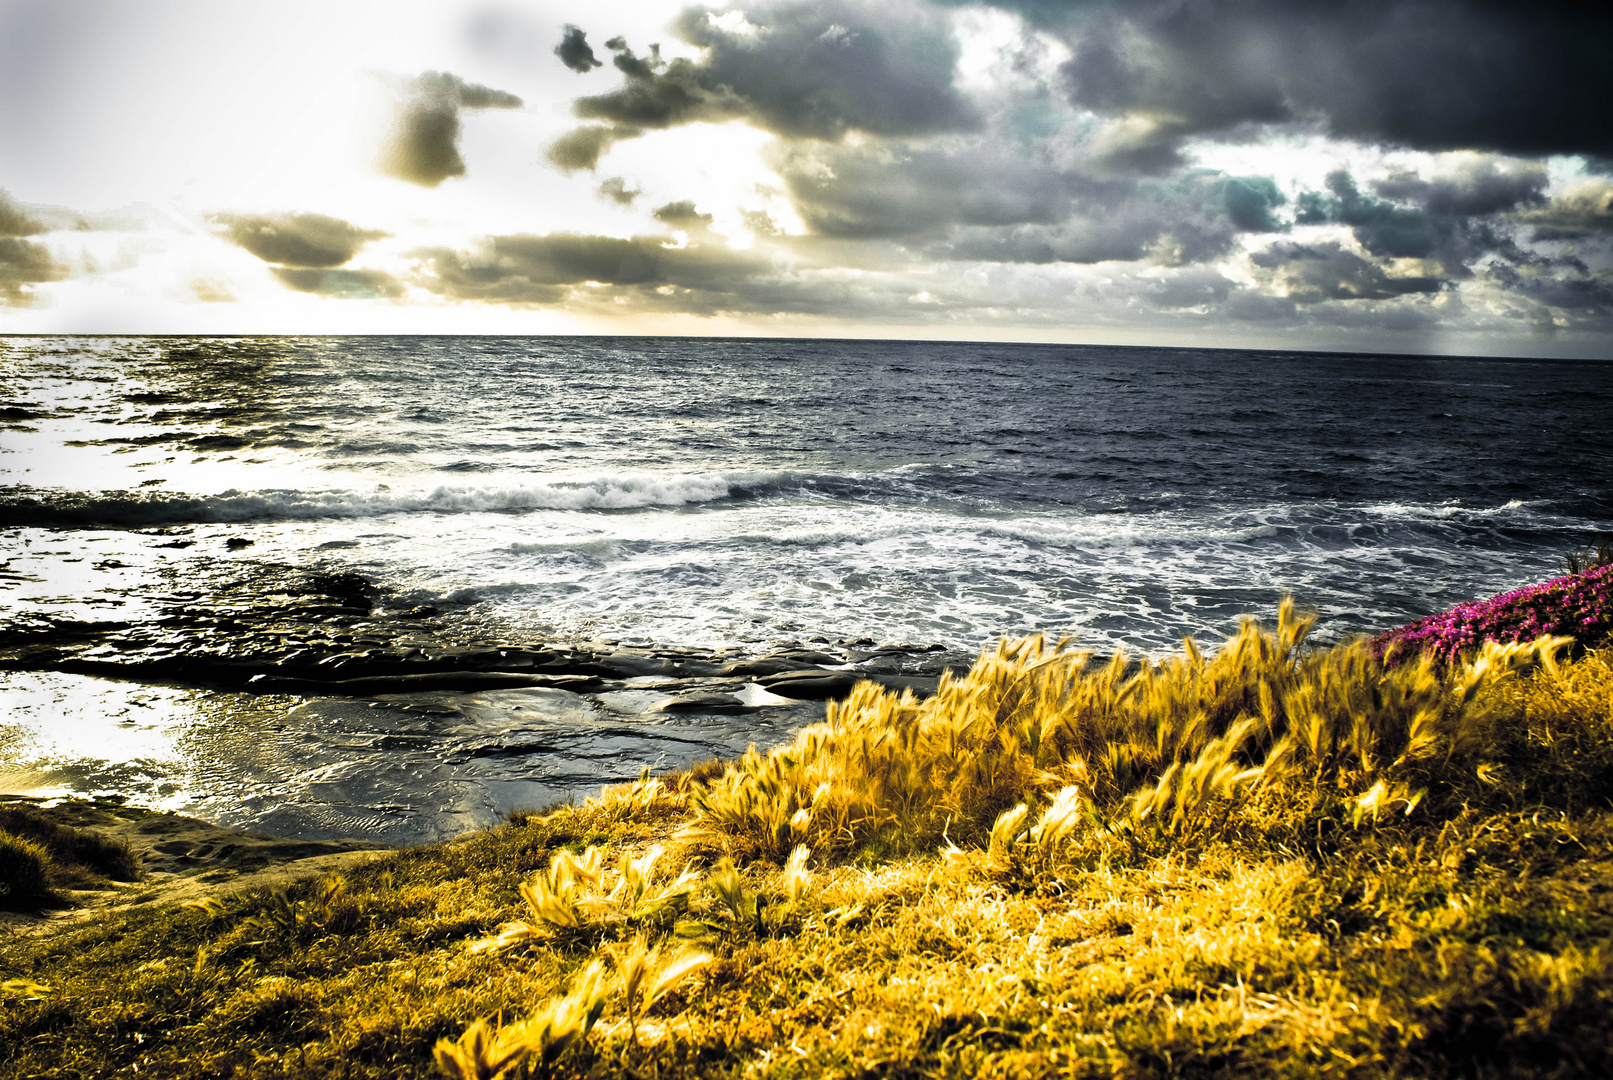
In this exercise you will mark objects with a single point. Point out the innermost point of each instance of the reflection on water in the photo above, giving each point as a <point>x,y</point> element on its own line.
<point>67,735</point>
<point>672,492</point>
<point>710,492</point>
<point>404,769</point>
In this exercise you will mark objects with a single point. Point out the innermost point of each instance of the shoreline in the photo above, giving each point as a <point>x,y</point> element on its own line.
<point>300,680</point>
<point>306,632</point>
<point>1380,915</point>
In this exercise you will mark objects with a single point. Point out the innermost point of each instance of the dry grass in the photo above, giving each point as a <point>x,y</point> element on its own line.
<point>39,857</point>
<point>1269,862</point>
<point>1166,754</point>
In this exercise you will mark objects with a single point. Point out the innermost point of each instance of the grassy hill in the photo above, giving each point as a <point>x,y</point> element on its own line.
<point>1271,861</point>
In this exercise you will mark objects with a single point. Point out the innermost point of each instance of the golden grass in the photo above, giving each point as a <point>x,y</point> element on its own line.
<point>1169,753</point>
<point>1269,862</point>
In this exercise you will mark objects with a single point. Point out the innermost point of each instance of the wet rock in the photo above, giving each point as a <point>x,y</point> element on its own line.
<point>629,664</point>
<point>219,442</point>
<point>760,667</point>
<point>435,680</point>
<point>697,669</point>
<point>278,629</point>
<point>580,664</point>
<point>812,685</point>
<point>237,543</point>
<point>514,749</point>
<point>800,673</point>
<point>883,665</point>
<point>521,659</point>
<point>170,844</point>
<point>716,686</point>
<point>922,687</point>
<point>478,656</point>
<point>807,658</point>
<point>702,703</point>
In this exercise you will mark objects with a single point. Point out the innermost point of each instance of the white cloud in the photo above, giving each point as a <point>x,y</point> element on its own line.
<point>974,198</point>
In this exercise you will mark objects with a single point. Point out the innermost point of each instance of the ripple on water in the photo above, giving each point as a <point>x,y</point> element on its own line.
<point>406,769</point>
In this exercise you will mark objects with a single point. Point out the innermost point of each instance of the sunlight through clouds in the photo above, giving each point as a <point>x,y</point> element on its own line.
<point>1259,172</point>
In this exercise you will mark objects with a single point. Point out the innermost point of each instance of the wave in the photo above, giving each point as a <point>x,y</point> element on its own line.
<point>624,491</point>
<point>1320,524</point>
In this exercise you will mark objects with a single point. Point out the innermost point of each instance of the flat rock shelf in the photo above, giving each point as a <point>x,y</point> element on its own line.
<point>314,705</point>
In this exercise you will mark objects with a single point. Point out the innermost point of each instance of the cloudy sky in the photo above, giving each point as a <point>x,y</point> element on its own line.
<point>1421,175</point>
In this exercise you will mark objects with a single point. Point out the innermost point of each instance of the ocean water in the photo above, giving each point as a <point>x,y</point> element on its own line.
<point>719,492</point>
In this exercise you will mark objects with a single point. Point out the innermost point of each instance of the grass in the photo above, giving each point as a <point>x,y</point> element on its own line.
<point>24,871</point>
<point>40,856</point>
<point>1266,862</point>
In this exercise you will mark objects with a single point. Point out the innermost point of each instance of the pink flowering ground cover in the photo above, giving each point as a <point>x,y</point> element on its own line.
<point>1579,606</point>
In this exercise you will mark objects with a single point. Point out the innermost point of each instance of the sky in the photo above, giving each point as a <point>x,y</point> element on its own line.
<point>1373,175</point>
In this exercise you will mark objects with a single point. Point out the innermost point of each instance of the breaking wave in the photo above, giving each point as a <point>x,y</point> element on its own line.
<point>624,491</point>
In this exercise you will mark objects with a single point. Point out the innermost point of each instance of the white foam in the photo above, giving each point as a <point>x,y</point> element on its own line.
<point>613,491</point>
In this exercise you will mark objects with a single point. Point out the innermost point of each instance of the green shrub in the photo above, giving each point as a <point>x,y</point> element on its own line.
<point>24,871</point>
<point>78,858</point>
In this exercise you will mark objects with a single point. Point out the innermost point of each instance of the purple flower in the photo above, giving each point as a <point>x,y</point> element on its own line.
<point>1577,606</point>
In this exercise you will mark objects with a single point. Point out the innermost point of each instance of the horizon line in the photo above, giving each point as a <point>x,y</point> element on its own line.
<point>860,340</point>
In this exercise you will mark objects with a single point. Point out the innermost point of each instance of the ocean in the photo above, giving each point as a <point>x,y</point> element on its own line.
<point>733,496</point>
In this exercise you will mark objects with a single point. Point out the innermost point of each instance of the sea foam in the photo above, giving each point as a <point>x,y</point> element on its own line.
<point>615,491</point>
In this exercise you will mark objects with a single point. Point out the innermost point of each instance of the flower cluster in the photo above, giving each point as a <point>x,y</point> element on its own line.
<point>1579,606</point>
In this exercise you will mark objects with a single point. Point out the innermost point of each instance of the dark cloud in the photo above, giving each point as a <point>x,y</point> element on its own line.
<point>802,70</point>
<point>645,274</point>
<point>15,221</point>
<point>1432,74</point>
<point>581,147</point>
<point>1167,92</point>
<point>760,222</point>
<point>1477,185</point>
<point>528,269</point>
<point>423,147</point>
<point>817,70</point>
<point>1170,224</point>
<point>875,190</point>
<point>136,217</point>
<point>1078,241</point>
<point>1252,305</point>
<point>616,190</point>
<point>1192,288</point>
<point>1015,179</point>
<point>1584,209</point>
<point>575,52</point>
<point>1460,215</point>
<point>1386,229</point>
<point>682,215</point>
<point>1251,202</point>
<point>297,240</point>
<point>657,94</point>
<point>993,202</point>
<point>343,284</point>
<point>305,250</point>
<point>1581,292</point>
<point>1311,273</point>
<point>23,263</point>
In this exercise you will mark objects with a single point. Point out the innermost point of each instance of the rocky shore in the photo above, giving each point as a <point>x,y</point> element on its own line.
<point>265,628</point>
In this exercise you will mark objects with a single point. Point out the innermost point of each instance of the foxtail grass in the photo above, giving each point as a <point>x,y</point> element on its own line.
<point>1271,860</point>
<point>1144,755</point>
